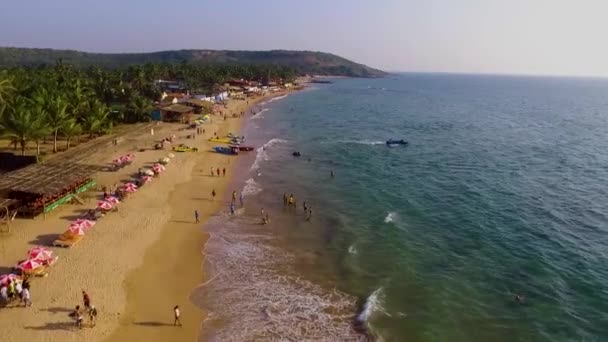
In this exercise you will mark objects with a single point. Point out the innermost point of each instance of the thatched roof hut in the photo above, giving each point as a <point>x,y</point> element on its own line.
<point>39,185</point>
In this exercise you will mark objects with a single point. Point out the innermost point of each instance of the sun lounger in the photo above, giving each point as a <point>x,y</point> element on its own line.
<point>36,272</point>
<point>67,239</point>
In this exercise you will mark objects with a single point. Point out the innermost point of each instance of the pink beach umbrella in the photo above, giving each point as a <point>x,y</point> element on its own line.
<point>105,205</point>
<point>112,199</point>
<point>157,168</point>
<point>6,279</point>
<point>40,253</point>
<point>129,187</point>
<point>78,230</point>
<point>146,179</point>
<point>85,223</point>
<point>29,264</point>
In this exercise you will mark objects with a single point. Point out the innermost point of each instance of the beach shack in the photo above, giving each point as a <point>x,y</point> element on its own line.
<point>199,106</point>
<point>42,188</point>
<point>176,113</point>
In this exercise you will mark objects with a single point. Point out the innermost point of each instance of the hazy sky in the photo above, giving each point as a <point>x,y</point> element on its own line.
<point>483,36</point>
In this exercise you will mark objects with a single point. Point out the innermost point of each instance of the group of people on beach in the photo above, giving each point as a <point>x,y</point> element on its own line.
<point>15,290</point>
<point>290,203</point>
<point>219,172</point>
<point>78,314</point>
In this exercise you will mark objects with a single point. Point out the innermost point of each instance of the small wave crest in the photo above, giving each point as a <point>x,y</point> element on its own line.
<point>352,250</point>
<point>390,217</point>
<point>373,305</point>
<point>277,98</point>
<point>251,188</point>
<point>262,154</point>
<point>260,114</point>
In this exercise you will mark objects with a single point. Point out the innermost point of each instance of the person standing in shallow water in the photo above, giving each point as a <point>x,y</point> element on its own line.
<point>213,194</point>
<point>196,219</point>
<point>241,198</point>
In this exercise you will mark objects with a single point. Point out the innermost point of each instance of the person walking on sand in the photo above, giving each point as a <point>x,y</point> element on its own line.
<point>292,200</point>
<point>224,172</point>
<point>234,196</point>
<point>25,297</point>
<point>196,220</point>
<point>241,198</point>
<point>177,314</point>
<point>212,173</point>
<point>218,172</point>
<point>93,316</point>
<point>77,314</point>
<point>263,212</point>
<point>213,194</point>
<point>309,214</point>
<point>304,207</point>
<point>86,300</point>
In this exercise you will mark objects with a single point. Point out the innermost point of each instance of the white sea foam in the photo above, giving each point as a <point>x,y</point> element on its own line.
<point>260,114</point>
<point>277,98</point>
<point>372,305</point>
<point>262,154</point>
<point>256,295</point>
<point>251,188</point>
<point>391,217</point>
<point>352,250</point>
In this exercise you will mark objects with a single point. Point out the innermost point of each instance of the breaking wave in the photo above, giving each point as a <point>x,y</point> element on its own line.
<point>391,217</point>
<point>251,188</point>
<point>262,154</point>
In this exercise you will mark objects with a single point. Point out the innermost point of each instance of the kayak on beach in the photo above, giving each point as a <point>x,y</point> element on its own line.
<point>243,148</point>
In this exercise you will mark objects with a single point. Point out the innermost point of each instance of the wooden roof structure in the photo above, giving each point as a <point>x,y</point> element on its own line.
<point>46,179</point>
<point>177,108</point>
<point>198,103</point>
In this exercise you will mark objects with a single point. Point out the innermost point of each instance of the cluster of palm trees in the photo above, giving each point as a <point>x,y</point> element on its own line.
<point>47,102</point>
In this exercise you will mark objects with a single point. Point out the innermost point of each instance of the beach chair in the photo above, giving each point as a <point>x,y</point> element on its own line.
<point>67,239</point>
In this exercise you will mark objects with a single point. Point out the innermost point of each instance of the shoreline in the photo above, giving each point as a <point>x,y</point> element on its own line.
<point>148,309</point>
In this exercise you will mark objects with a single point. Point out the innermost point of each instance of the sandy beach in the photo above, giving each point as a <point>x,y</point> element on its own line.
<point>136,263</point>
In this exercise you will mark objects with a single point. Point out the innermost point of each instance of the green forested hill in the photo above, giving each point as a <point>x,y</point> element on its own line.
<point>302,61</point>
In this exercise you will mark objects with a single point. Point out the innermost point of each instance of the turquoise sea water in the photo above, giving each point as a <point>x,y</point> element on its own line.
<point>501,191</point>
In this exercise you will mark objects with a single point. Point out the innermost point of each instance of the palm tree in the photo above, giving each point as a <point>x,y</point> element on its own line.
<point>70,129</point>
<point>139,109</point>
<point>97,119</point>
<point>6,89</point>
<point>57,116</point>
<point>25,123</point>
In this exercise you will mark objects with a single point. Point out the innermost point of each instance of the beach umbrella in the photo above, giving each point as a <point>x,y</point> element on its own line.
<point>77,230</point>
<point>112,199</point>
<point>40,253</point>
<point>164,161</point>
<point>171,155</point>
<point>158,168</point>
<point>129,187</point>
<point>29,264</point>
<point>105,205</point>
<point>6,279</point>
<point>146,179</point>
<point>148,172</point>
<point>84,224</point>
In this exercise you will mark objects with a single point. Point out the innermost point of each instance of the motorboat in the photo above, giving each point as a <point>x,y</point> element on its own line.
<point>392,142</point>
<point>243,148</point>
<point>296,154</point>
<point>232,150</point>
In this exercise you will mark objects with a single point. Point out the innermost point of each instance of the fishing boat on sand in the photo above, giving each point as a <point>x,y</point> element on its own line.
<point>232,150</point>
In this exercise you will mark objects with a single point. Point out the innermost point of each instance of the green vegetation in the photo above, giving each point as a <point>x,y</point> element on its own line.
<point>303,62</point>
<point>62,100</point>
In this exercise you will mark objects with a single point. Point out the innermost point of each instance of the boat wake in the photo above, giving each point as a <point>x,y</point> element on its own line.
<point>262,154</point>
<point>251,188</point>
<point>391,217</point>
<point>352,250</point>
<point>362,142</point>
